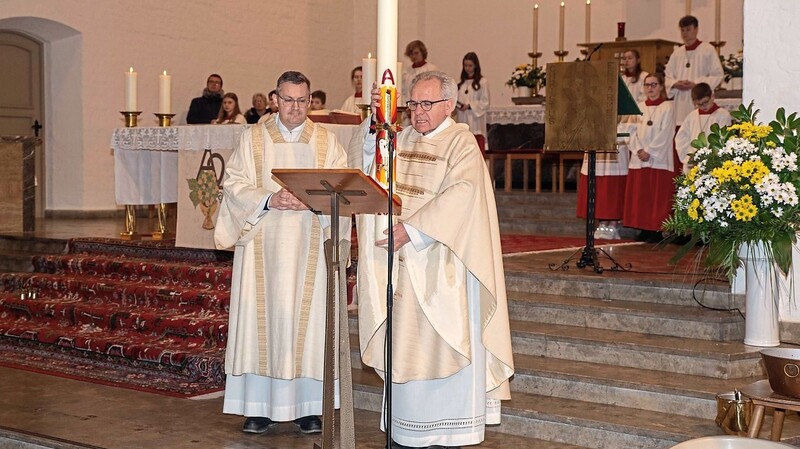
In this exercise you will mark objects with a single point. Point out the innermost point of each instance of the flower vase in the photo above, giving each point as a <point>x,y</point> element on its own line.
<point>761,294</point>
<point>523,91</point>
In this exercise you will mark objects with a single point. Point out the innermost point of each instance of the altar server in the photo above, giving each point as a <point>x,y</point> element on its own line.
<point>473,97</point>
<point>649,188</point>
<point>274,358</point>
<point>692,63</point>
<point>452,346</point>
<point>699,121</point>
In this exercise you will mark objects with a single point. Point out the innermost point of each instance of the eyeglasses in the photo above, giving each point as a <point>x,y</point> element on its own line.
<point>299,102</point>
<point>426,105</point>
<point>703,103</point>
<point>214,82</point>
<point>651,84</point>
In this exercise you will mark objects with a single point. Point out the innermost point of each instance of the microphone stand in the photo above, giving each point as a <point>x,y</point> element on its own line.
<point>390,135</point>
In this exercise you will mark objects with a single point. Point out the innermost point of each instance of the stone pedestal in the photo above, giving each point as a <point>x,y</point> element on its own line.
<point>17,183</point>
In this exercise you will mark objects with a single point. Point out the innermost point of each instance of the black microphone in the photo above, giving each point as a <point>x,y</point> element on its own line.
<point>589,56</point>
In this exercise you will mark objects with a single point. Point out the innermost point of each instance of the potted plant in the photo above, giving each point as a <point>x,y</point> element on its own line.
<point>528,78</point>
<point>740,199</point>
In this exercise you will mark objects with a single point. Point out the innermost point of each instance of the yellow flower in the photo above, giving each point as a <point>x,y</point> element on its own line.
<point>693,173</point>
<point>743,208</point>
<point>692,211</point>
<point>751,131</point>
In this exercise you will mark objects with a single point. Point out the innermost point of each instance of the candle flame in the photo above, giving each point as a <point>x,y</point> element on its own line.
<point>131,70</point>
<point>369,55</point>
<point>165,72</point>
<point>536,6</point>
<point>588,2</point>
<point>562,4</point>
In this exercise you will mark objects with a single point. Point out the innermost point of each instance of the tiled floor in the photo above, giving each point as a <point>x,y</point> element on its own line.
<point>73,414</point>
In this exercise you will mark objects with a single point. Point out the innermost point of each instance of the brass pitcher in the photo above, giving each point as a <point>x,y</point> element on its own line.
<point>733,413</point>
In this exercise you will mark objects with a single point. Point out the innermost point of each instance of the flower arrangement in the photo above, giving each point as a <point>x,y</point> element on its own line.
<point>732,65</point>
<point>742,189</point>
<point>526,75</point>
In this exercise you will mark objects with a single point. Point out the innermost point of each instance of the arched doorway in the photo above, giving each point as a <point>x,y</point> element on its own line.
<point>21,97</point>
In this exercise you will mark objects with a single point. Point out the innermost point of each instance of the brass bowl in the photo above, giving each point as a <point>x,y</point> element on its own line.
<point>783,370</point>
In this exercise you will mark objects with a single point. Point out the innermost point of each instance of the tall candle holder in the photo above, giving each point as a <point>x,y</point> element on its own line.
<point>561,54</point>
<point>131,118</point>
<point>130,224</point>
<point>365,110</point>
<point>164,120</point>
<point>717,45</point>
<point>162,233</point>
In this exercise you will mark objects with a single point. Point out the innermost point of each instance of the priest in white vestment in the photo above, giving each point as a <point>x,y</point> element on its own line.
<point>699,121</point>
<point>452,356</point>
<point>692,63</point>
<point>274,358</point>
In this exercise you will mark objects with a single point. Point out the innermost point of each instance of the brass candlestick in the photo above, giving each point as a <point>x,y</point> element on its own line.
<point>130,224</point>
<point>131,118</point>
<point>162,233</point>
<point>561,54</point>
<point>717,45</point>
<point>535,55</point>
<point>164,119</point>
<point>365,110</point>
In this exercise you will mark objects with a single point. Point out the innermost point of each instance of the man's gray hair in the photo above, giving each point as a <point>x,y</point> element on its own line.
<point>293,77</point>
<point>449,87</point>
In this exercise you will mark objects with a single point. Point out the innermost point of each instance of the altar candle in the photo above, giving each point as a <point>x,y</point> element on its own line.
<point>165,93</point>
<point>368,65</point>
<point>688,7</point>
<point>717,20</point>
<point>561,28</point>
<point>387,41</point>
<point>536,28</point>
<point>130,90</point>
<point>588,20</point>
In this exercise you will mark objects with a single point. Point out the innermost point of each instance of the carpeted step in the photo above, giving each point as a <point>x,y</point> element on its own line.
<point>163,297</point>
<point>174,273</point>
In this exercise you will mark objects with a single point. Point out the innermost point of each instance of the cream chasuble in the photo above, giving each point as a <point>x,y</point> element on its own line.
<point>277,312</point>
<point>450,295</point>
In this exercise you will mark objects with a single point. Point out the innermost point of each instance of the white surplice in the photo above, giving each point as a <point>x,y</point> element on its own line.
<point>409,73</point>
<point>703,67</point>
<point>350,105</point>
<point>478,102</point>
<point>274,356</point>
<point>451,333</point>
<point>694,124</point>
<point>636,87</point>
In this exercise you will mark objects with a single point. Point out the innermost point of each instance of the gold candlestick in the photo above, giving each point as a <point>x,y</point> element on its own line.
<point>561,54</point>
<point>131,118</point>
<point>130,224</point>
<point>365,110</point>
<point>162,233</point>
<point>718,45</point>
<point>164,119</point>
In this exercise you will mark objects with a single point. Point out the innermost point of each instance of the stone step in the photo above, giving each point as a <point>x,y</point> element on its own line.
<point>543,226</point>
<point>542,199</point>
<point>16,251</point>
<point>536,212</point>
<point>714,359</point>
<point>579,422</point>
<point>615,286</point>
<point>688,321</point>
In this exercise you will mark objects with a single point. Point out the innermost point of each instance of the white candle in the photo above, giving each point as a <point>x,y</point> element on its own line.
<point>536,28</point>
<point>688,7</point>
<point>165,93</point>
<point>717,20</point>
<point>588,21</point>
<point>368,78</point>
<point>130,91</point>
<point>387,41</point>
<point>399,79</point>
<point>561,28</point>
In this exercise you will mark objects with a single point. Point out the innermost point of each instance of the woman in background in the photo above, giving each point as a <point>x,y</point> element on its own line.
<point>229,113</point>
<point>633,75</point>
<point>649,188</point>
<point>473,98</point>
<point>258,110</point>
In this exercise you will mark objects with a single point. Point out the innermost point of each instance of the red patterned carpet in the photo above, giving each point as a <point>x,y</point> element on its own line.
<point>141,315</point>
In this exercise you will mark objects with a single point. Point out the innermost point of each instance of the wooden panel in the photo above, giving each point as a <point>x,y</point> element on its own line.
<point>17,204</point>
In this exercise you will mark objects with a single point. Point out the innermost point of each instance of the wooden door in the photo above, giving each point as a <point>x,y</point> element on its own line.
<point>21,97</point>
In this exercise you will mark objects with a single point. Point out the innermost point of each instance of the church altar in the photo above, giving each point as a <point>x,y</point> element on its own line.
<point>155,165</point>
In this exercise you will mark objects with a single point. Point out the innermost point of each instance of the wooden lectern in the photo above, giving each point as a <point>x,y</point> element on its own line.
<point>654,52</point>
<point>336,192</point>
<point>583,101</point>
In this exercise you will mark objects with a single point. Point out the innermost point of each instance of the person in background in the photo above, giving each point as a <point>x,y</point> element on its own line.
<point>473,98</point>
<point>633,75</point>
<point>229,113</point>
<point>258,110</point>
<point>698,121</point>
<point>205,108</point>
<point>318,100</point>
<point>274,358</point>
<point>272,98</point>
<point>350,104</point>
<point>692,63</point>
<point>417,52</point>
<point>649,188</point>
<point>452,343</point>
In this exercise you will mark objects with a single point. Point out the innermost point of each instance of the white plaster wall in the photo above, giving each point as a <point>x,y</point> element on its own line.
<point>250,42</point>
